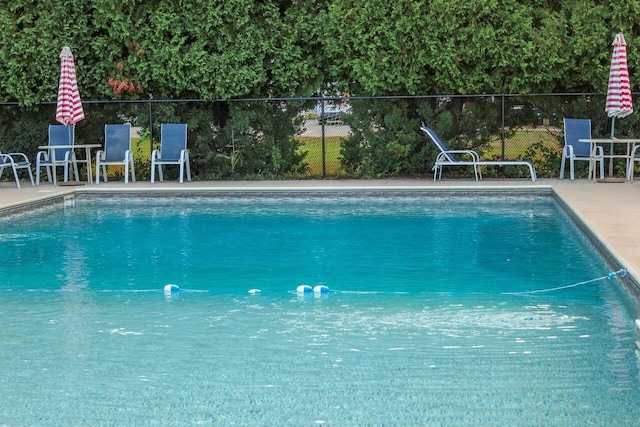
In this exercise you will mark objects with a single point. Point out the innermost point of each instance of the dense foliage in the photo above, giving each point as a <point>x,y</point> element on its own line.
<point>221,50</point>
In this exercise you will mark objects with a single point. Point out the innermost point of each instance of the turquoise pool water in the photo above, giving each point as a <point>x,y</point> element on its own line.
<point>416,329</point>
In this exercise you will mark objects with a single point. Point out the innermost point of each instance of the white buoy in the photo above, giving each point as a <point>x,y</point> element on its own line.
<point>171,289</point>
<point>255,291</point>
<point>320,289</point>
<point>303,288</point>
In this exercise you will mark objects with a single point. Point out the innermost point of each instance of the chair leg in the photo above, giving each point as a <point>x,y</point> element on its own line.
<point>438,173</point>
<point>133,170</point>
<point>160,173</point>
<point>15,175</point>
<point>181,172</point>
<point>75,170</point>
<point>31,176</point>
<point>188,168</point>
<point>571,165</point>
<point>562,164</point>
<point>126,172</point>
<point>601,169</point>
<point>47,169</point>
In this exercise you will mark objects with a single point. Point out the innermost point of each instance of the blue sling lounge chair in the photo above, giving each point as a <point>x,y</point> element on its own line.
<point>448,157</point>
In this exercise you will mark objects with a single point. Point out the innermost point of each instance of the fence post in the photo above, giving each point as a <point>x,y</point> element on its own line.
<point>150,126</point>
<point>322,121</point>
<point>502,131</point>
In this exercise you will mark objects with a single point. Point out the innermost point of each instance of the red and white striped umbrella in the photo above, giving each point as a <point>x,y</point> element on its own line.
<point>619,102</point>
<point>69,110</point>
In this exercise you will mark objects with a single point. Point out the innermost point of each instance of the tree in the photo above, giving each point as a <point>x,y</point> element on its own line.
<point>224,49</point>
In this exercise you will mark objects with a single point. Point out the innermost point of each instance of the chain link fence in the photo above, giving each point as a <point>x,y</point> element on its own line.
<point>328,137</point>
<point>522,126</point>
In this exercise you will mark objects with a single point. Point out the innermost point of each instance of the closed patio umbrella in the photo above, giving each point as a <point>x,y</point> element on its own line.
<point>619,102</point>
<point>69,109</point>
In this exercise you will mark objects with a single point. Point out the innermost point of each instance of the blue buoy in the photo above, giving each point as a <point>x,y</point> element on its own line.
<point>255,291</point>
<point>171,289</point>
<point>320,289</point>
<point>303,289</point>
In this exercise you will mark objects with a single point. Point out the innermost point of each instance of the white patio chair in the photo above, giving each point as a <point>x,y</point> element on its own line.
<point>15,161</point>
<point>634,157</point>
<point>173,151</point>
<point>574,150</point>
<point>65,157</point>
<point>117,151</point>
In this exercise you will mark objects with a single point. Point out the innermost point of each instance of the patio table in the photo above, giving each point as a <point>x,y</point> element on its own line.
<point>86,160</point>
<point>631,143</point>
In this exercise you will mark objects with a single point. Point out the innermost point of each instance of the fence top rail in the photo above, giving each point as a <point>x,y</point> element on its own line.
<point>317,98</point>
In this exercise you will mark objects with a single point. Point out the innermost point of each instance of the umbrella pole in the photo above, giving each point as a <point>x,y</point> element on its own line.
<point>611,178</point>
<point>70,141</point>
<point>611,160</point>
<point>613,127</point>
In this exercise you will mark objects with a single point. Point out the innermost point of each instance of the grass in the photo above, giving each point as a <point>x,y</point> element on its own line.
<point>140,148</point>
<point>313,147</point>
<point>518,142</point>
<point>521,140</point>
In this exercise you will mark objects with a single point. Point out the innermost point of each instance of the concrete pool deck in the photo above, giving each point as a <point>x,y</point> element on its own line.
<point>609,210</point>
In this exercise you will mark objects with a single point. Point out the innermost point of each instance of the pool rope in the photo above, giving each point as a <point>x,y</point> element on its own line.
<point>622,272</point>
<point>171,289</point>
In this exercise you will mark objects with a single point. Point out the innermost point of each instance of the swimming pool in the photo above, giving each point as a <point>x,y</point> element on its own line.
<point>417,327</point>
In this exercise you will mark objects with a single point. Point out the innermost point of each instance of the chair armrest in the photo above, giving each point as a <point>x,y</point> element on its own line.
<point>567,151</point>
<point>155,154</point>
<point>42,155</point>
<point>22,155</point>
<point>474,156</point>
<point>68,154</point>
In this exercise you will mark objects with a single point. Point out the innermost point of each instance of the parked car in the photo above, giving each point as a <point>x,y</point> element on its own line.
<point>332,113</point>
